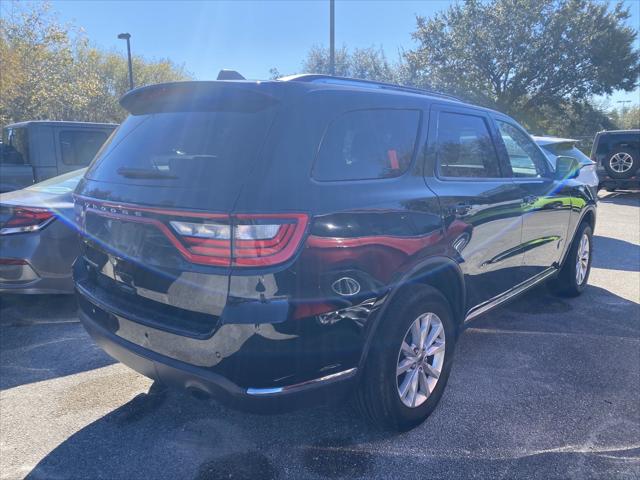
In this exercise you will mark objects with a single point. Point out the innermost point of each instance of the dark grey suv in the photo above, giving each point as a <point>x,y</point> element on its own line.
<point>279,243</point>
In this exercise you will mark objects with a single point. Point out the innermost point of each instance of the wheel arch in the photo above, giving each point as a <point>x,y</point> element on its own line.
<point>588,214</point>
<point>440,273</point>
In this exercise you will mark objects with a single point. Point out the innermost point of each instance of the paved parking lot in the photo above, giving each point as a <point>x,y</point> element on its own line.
<point>542,388</point>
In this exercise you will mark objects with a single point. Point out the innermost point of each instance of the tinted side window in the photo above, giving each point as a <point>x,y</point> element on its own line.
<point>465,147</point>
<point>525,158</point>
<point>367,144</point>
<point>15,146</point>
<point>78,147</point>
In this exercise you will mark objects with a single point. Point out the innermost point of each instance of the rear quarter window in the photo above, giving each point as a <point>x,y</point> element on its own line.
<point>367,144</point>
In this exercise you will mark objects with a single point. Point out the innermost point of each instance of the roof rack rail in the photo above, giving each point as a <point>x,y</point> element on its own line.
<point>333,80</point>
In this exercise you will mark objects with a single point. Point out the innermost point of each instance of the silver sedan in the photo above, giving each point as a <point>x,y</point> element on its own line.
<point>38,240</point>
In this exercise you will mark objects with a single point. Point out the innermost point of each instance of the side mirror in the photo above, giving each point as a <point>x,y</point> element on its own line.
<point>567,168</point>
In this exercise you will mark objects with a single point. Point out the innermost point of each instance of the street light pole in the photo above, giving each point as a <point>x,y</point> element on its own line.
<point>332,37</point>
<point>624,103</point>
<point>127,36</point>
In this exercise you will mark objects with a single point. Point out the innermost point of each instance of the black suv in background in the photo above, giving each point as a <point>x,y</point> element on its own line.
<point>286,242</point>
<point>617,155</point>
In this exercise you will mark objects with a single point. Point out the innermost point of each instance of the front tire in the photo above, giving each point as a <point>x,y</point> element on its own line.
<point>409,361</point>
<point>574,274</point>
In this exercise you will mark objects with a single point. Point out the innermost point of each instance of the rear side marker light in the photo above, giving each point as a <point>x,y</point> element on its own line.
<point>27,219</point>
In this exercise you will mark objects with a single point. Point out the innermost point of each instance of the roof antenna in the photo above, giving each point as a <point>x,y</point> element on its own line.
<point>229,75</point>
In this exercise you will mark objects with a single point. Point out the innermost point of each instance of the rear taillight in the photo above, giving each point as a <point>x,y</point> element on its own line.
<point>243,240</point>
<point>261,240</point>
<point>26,219</point>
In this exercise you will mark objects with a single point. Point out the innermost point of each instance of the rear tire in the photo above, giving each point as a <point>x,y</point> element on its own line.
<point>379,395</point>
<point>574,274</point>
<point>621,163</point>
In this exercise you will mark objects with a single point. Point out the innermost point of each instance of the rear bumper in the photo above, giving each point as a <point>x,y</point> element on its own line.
<point>333,387</point>
<point>41,261</point>
<point>24,279</point>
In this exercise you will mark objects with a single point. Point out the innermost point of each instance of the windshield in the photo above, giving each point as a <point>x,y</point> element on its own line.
<point>59,185</point>
<point>182,148</point>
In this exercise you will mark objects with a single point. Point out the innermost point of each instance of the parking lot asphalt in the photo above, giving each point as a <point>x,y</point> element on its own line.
<point>541,388</point>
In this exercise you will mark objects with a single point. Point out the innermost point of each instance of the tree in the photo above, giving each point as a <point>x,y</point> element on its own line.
<point>367,63</point>
<point>523,56</point>
<point>629,118</point>
<point>49,71</point>
<point>580,120</point>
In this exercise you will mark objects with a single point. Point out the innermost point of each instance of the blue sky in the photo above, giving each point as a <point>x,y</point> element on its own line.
<point>254,36</point>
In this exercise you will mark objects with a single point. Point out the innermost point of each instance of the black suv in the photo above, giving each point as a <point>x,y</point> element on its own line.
<point>617,155</point>
<point>284,242</point>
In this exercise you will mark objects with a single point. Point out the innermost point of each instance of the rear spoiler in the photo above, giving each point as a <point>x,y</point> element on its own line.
<point>233,95</point>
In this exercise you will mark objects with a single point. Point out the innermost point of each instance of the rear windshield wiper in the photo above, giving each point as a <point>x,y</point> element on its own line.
<point>144,173</point>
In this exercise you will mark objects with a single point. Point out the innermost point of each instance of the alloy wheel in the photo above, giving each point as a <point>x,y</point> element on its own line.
<point>582,260</point>
<point>420,359</point>
<point>621,162</point>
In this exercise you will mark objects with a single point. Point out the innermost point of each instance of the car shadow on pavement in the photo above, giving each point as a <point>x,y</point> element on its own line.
<point>615,254</point>
<point>41,338</point>
<point>529,396</point>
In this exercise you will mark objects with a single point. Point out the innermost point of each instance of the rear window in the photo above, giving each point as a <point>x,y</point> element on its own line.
<point>367,144</point>
<point>78,147</point>
<point>197,149</point>
<point>15,146</point>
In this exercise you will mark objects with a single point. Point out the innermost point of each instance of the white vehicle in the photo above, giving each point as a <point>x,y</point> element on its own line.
<point>554,147</point>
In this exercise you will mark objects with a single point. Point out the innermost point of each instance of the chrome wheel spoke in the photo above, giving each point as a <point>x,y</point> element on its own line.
<point>432,371</point>
<point>425,324</point>
<point>406,383</point>
<point>435,331</point>
<point>434,348</point>
<point>405,365</point>
<point>413,389</point>
<point>415,334</point>
<point>407,350</point>
<point>424,383</point>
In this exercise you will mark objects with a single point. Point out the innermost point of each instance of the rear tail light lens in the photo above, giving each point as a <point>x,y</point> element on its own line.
<point>244,240</point>
<point>262,240</point>
<point>212,231</point>
<point>26,219</point>
<point>247,240</point>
